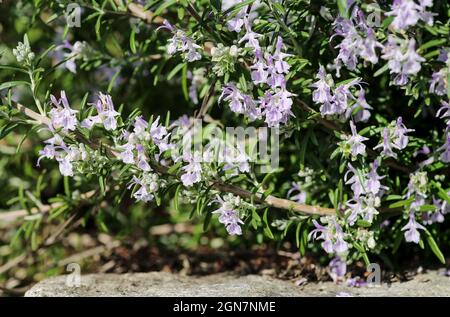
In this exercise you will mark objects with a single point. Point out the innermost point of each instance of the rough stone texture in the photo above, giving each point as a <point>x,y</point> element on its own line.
<point>173,285</point>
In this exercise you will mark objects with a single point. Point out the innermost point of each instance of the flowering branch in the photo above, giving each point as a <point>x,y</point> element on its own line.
<point>220,186</point>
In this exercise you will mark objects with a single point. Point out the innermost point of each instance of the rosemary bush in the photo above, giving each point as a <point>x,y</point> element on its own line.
<point>102,100</point>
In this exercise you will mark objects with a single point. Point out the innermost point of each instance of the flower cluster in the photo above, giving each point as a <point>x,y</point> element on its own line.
<point>268,70</point>
<point>403,60</point>
<point>229,214</point>
<point>358,41</point>
<point>394,137</point>
<point>367,192</point>
<point>332,235</point>
<point>339,100</point>
<point>407,13</point>
<point>180,42</point>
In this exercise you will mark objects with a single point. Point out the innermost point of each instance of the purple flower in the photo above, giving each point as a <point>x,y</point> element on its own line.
<point>386,145</point>
<point>259,69</point>
<point>300,196</point>
<point>281,66</point>
<point>407,13</point>
<point>411,229</point>
<point>363,114</point>
<point>356,182</point>
<point>444,112</point>
<point>142,160</point>
<point>438,82</point>
<point>338,269</point>
<point>62,117</point>
<point>332,236</point>
<point>235,25</point>
<point>127,155</point>
<point>192,171</point>
<point>445,155</point>
<point>436,216</point>
<point>106,115</point>
<point>358,41</point>
<point>444,54</point>
<point>71,53</point>
<point>180,42</point>
<point>235,97</point>
<point>354,142</point>
<point>373,184</point>
<point>228,214</point>
<point>148,185</point>
<point>322,93</point>
<point>399,137</point>
<point>356,282</point>
<point>402,58</point>
<point>250,37</point>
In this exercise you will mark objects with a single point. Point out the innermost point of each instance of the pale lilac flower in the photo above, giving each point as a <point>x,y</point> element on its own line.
<point>228,214</point>
<point>354,142</point>
<point>235,24</point>
<point>300,196</point>
<point>358,41</point>
<point>157,131</point>
<point>277,107</point>
<point>70,53</point>
<point>444,55</point>
<point>140,127</point>
<point>399,137</point>
<point>148,185</point>
<point>332,235</point>
<point>436,216</point>
<point>142,160</point>
<point>411,229</point>
<point>338,269</point>
<point>250,38</point>
<point>106,115</point>
<point>192,171</point>
<point>235,97</point>
<point>322,93</point>
<point>127,155</point>
<point>363,114</point>
<point>386,145</point>
<point>444,112</point>
<point>356,282</point>
<point>445,155</point>
<point>402,58</point>
<point>407,13</point>
<point>281,66</point>
<point>180,42</point>
<point>62,117</point>
<point>373,184</point>
<point>259,72</point>
<point>356,181</point>
<point>438,82</point>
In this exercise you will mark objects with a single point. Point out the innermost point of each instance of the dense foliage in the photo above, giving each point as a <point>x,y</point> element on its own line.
<point>95,118</point>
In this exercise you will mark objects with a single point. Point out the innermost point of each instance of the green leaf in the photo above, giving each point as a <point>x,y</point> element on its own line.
<point>13,68</point>
<point>401,203</point>
<point>165,5</point>
<point>381,70</point>
<point>267,230</point>
<point>133,40</point>
<point>217,4</point>
<point>176,197</point>
<point>297,234</point>
<point>434,247</point>
<point>342,6</point>
<point>10,84</point>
